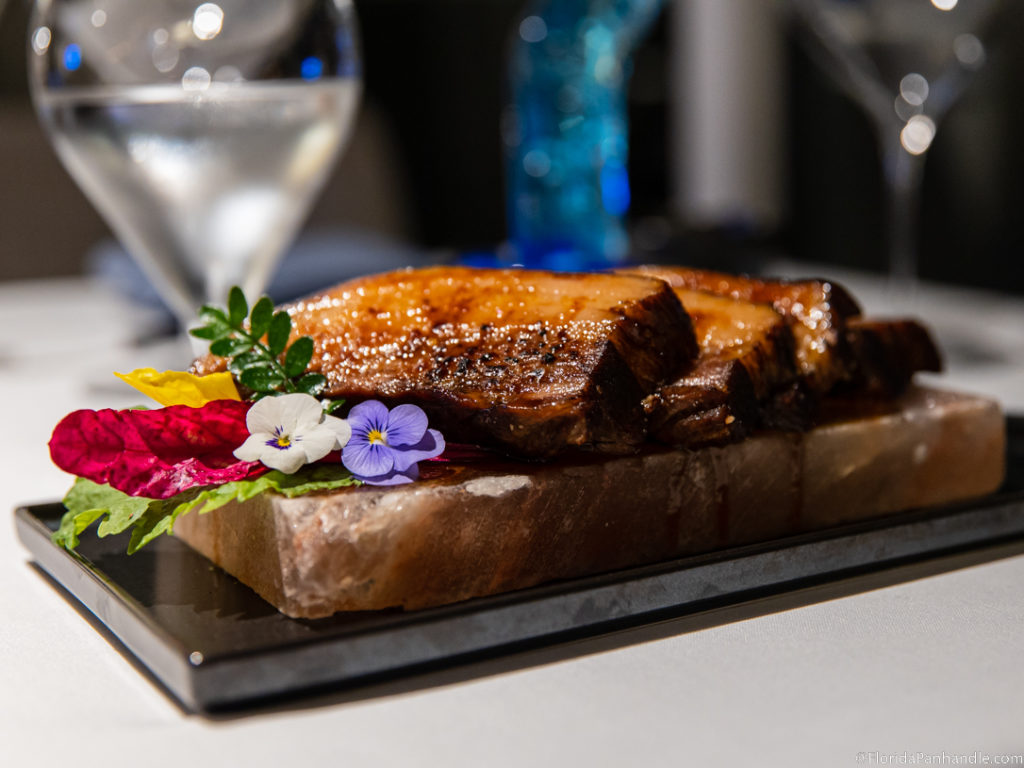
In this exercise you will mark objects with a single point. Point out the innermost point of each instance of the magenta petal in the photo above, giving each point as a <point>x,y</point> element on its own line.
<point>192,473</point>
<point>155,453</point>
<point>407,425</point>
<point>430,446</point>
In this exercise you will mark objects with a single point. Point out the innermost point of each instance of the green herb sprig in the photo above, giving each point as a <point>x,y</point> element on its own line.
<point>258,365</point>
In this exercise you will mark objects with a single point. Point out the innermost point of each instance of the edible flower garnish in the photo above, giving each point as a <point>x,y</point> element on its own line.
<point>289,431</point>
<point>181,388</point>
<point>386,445</point>
<point>138,471</point>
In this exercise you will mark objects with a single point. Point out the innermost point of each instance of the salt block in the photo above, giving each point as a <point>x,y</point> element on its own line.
<point>936,447</point>
<point>479,529</point>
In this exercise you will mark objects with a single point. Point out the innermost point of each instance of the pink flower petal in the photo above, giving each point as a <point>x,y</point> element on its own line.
<point>156,453</point>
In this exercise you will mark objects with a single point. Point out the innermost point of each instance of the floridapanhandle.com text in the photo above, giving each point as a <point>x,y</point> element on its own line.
<point>937,758</point>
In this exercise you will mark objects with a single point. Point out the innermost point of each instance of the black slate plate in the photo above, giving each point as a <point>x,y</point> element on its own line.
<point>214,644</point>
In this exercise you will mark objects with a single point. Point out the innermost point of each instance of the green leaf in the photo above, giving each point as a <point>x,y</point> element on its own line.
<point>87,502</point>
<point>230,347</point>
<point>123,514</point>
<point>333,405</point>
<point>85,494</point>
<point>261,379</point>
<point>238,307</point>
<point>211,332</point>
<point>312,384</point>
<point>155,522</point>
<point>280,330</point>
<point>259,319</point>
<point>72,524</point>
<point>319,477</point>
<point>211,315</point>
<point>298,357</point>
<point>246,360</point>
<point>316,477</point>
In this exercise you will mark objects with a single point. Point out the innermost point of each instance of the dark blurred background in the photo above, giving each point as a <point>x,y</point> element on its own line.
<point>425,164</point>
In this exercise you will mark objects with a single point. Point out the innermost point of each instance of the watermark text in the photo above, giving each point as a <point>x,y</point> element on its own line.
<point>937,758</point>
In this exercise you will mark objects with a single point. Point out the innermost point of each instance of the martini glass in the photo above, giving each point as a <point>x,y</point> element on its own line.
<point>201,131</point>
<point>906,62</point>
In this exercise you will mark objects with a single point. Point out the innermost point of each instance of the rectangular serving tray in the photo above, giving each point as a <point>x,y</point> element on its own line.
<point>214,644</point>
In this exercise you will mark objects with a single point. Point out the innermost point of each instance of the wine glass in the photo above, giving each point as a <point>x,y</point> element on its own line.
<point>905,62</point>
<point>201,131</point>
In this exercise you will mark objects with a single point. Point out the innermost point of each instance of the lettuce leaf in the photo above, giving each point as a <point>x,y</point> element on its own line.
<point>88,501</point>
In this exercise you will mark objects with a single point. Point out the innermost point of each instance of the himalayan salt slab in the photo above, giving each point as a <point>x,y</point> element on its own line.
<point>479,529</point>
<point>938,447</point>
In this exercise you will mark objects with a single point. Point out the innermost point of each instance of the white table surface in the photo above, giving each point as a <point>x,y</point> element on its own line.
<point>931,665</point>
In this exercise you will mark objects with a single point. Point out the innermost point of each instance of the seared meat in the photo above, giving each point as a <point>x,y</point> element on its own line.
<point>817,309</point>
<point>753,335</point>
<point>837,353</point>
<point>529,362</point>
<point>746,357</point>
<point>714,404</point>
<point>887,353</point>
<point>534,363</point>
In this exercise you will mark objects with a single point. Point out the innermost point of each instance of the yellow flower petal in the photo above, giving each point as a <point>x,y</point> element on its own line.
<point>180,388</point>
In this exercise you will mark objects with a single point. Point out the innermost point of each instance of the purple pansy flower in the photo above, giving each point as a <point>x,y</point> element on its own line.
<point>386,445</point>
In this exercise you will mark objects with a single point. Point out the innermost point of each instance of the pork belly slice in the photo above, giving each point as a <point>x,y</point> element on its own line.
<point>875,358</point>
<point>746,357</point>
<point>753,335</point>
<point>886,354</point>
<point>818,311</point>
<point>531,363</point>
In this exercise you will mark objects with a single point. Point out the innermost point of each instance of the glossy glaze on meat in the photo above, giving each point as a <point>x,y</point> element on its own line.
<point>746,356</point>
<point>772,365</point>
<point>886,354</point>
<point>536,363</point>
<point>818,311</point>
<point>753,335</point>
<point>529,362</point>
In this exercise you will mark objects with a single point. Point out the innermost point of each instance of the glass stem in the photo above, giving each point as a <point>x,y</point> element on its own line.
<point>903,176</point>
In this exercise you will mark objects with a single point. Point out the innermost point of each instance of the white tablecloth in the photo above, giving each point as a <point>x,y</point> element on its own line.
<point>928,666</point>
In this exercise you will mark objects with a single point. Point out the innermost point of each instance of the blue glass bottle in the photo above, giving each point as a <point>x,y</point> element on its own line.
<point>566,130</point>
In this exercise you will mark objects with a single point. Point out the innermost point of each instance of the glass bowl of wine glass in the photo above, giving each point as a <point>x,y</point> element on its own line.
<point>905,62</point>
<point>201,131</point>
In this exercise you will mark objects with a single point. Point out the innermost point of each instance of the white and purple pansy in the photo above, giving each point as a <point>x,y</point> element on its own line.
<point>289,431</point>
<point>386,445</point>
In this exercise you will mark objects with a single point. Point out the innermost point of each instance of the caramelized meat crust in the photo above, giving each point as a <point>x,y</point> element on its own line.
<point>746,356</point>
<point>753,335</point>
<point>804,345</point>
<point>713,405</point>
<point>536,363</point>
<point>887,353</point>
<point>817,311</point>
<point>528,362</point>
